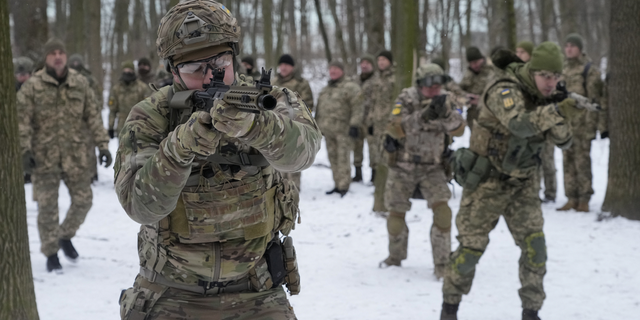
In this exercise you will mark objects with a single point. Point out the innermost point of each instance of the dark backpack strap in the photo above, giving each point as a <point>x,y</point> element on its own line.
<point>585,73</point>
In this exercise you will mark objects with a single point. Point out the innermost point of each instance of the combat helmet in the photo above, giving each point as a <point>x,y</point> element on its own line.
<point>23,65</point>
<point>194,26</point>
<point>430,74</point>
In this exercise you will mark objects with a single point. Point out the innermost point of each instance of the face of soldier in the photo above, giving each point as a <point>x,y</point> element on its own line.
<point>195,80</point>
<point>143,68</point>
<point>383,63</point>
<point>430,92</point>
<point>546,82</point>
<point>56,60</point>
<point>366,66</point>
<point>571,51</point>
<point>523,54</point>
<point>22,77</point>
<point>247,66</point>
<point>335,73</point>
<point>476,65</point>
<point>285,69</point>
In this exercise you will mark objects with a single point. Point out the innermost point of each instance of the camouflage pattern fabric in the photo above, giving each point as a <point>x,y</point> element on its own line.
<point>339,108</point>
<point>367,84</point>
<point>506,120</point>
<point>122,98</point>
<point>53,120</point>
<point>577,159</point>
<point>381,105</point>
<point>475,83</point>
<point>204,221</point>
<point>150,77</point>
<point>549,170</point>
<point>91,145</point>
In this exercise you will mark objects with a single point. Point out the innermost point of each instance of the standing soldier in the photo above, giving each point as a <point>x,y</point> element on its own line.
<point>55,106</point>
<point>474,81</point>
<point>498,174</point>
<point>382,102</point>
<point>145,74</point>
<point>339,116</point>
<point>583,78</point>
<point>123,96</point>
<point>421,119</point>
<point>206,187</point>
<point>367,80</point>
<point>291,79</point>
<point>22,69</point>
<point>249,64</point>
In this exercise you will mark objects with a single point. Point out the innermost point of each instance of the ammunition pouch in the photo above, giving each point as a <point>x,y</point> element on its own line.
<point>136,302</point>
<point>292,279</point>
<point>469,168</point>
<point>287,210</point>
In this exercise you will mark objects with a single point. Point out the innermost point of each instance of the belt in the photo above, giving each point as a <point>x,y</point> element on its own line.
<point>407,157</point>
<point>203,287</point>
<point>240,159</point>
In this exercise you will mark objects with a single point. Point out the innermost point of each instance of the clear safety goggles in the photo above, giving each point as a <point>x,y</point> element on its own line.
<point>219,61</point>
<point>547,75</point>
<point>429,81</point>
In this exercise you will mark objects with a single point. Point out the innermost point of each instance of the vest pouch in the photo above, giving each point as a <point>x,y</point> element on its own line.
<point>292,279</point>
<point>462,162</point>
<point>286,206</point>
<point>515,149</point>
<point>260,277</point>
<point>479,173</point>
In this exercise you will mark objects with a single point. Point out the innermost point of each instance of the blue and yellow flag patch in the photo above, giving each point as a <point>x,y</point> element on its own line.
<point>396,109</point>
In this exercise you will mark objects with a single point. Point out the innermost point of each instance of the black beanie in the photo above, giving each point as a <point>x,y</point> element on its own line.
<point>386,54</point>
<point>288,59</point>
<point>473,53</point>
<point>144,61</point>
<point>249,60</point>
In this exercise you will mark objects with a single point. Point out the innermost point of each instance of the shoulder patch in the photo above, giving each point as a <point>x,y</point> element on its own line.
<point>396,109</point>
<point>507,99</point>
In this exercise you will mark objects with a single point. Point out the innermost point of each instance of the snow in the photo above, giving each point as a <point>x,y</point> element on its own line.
<point>591,269</point>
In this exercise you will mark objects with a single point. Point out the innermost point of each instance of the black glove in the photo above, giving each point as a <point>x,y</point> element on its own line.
<point>440,106</point>
<point>429,113</point>
<point>354,132</point>
<point>370,130</point>
<point>111,133</point>
<point>561,92</point>
<point>390,144</point>
<point>28,162</point>
<point>604,135</point>
<point>105,158</point>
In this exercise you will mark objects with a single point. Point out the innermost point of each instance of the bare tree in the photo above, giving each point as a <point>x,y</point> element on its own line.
<point>137,39</point>
<point>60,27</point>
<point>375,32</point>
<point>304,29</point>
<point>338,32</point>
<point>30,27</point>
<point>279,30</point>
<point>323,31</point>
<point>569,16</point>
<point>510,30</point>
<point>530,16</point>
<point>94,45</point>
<point>292,33</point>
<point>353,42</point>
<point>407,34</point>
<point>624,158</point>
<point>17,297</point>
<point>121,8</point>
<point>267,7</point>
<point>76,27</point>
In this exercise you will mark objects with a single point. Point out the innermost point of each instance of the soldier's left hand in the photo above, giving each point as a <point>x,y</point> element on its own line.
<point>230,120</point>
<point>439,104</point>
<point>105,158</point>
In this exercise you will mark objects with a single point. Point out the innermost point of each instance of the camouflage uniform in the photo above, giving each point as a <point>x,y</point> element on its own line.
<point>122,98</point>
<point>296,83</point>
<point>53,118</point>
<point>475,83</point>
<point>548,170</point>
<point>207,221</point>
<point>577,159</point>
<point>339,108</point>
<point>381,105</point>
<point>419,165</point>
<point>509,119</point>
<point>148,78</point>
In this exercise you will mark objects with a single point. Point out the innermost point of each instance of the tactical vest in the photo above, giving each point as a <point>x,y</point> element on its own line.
<point>509,154</point>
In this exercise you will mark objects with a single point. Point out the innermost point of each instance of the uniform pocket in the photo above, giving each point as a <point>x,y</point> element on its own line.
<point>286,207</point>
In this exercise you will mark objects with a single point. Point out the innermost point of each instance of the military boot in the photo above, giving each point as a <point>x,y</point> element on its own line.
<point>53,263</point>
<point>358,177</point>
<point>583,206</point>
<point>398,239</point>
<point>528,314</point>
<point>571,204</point>
<point>68,249</point>
<point>449,311</point>
<point>332,191</point>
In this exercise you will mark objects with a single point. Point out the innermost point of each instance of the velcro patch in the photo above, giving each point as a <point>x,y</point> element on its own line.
<point>110,102</point>
<point>508,103</point>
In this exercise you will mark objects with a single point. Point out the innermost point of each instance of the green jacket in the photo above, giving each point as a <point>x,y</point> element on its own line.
<point>339,107</point>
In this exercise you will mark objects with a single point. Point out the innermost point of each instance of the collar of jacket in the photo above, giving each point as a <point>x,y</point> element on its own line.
<point>582,59</point>
<point>288,78</point>
<point>366,76</point>
<point>69,79</point>
<point>337,81</point>
<point>482,69</point>
<point>391,70</point>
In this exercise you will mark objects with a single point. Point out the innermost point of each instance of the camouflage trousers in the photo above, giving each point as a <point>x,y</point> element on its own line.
<point>576,162</point>
<point>293,176</point>
<point>480,209</point>
<point>151,301</point>
<point>402,181</point>
<point>380,182</point>
<point>472,115</point>
<point>358,149</point>
<point>549,170</point>
<point>91,155</point>
<point>339,149</point>
<point>49,225</point>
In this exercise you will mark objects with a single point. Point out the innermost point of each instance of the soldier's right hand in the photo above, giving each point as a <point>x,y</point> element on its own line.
<point>28,162</point>
<point>567,108</point>
<point>197,135</point>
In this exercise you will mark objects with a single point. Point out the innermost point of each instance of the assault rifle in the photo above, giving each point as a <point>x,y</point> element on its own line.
<point>581,101</point>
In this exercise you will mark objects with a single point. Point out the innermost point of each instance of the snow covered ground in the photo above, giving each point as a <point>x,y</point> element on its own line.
<point>592,267</point>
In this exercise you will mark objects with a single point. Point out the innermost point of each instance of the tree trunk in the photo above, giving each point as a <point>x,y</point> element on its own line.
<point>139,29</point>
<point>467,35</point>
<point>624,115</point>
<point>121,8</point>
<point>154,22</point>
<point>532,34</point>
<point>353,42</point>
<point>279,31</point>
<point>510,26</point>
<point>325,38</point>
<point>292,35</point>
<point>338,32</point>
<point>30,27</point>
<point>267,7</point>
<point>254,32</point>
<point>76,28</point>
<point>423,29</point>
<point>445,31</point>
<point>569,16</point>
<point>375,34</point>
<point>304,30</point>
<point>407,35</point>
<point>94,50</point>
<point>17,297</point>
<point>60,27</point>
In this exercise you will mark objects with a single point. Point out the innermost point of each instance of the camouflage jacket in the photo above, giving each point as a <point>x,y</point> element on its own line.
<point>205,220</point>
<point>423,141</point>
<point>339,107</point>
<point>95,86</point>
<point>382,100</point>
<point>297,84</point>
<point>53,118</point>
<point>122,98</point>
<point>367,85</point>
<point>150,77</point>
<point>512,128</point>
<point>585,125</point>
<point>475,83</point>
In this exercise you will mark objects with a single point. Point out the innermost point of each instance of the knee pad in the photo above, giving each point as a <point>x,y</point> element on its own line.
<point>442,216</point>
<point>536,249</point>
<point>465,261</point>
<point>396,223</point>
